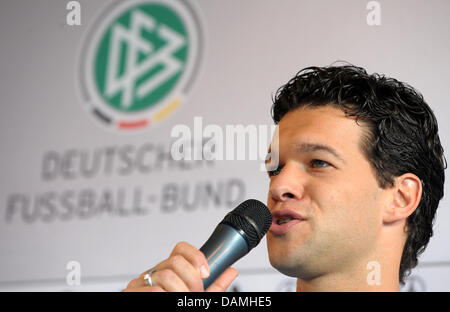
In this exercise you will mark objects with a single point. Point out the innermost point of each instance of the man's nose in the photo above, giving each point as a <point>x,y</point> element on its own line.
<point>288,184</point>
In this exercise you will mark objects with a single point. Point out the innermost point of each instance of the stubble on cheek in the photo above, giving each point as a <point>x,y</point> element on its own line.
<point>289,252</point>
<point>350,230</point>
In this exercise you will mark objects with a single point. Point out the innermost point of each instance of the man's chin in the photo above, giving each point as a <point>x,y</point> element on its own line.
<point>289,263</point>
<point>288,271</point>
<point>303,272</point>
<point>283,264</point>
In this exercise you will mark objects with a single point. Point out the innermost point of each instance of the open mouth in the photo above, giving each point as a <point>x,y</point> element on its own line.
<point>283,220</point>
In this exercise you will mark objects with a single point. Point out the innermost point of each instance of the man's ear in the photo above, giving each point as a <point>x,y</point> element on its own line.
<point>406,195</point>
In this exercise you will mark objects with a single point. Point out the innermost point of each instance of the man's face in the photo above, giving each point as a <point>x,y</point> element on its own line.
<point>324,195</point>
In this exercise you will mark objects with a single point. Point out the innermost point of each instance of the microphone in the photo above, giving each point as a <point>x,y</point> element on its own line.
<point>239,232</point>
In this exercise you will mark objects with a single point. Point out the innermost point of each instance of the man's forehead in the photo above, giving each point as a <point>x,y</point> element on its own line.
<point>325,128</point>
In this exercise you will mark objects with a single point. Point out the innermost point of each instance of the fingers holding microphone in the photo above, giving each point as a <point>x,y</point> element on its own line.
<point>183,271</point>
<point>187,267</point>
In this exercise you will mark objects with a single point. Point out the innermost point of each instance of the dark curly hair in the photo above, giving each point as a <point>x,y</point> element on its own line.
<point>402,137</point>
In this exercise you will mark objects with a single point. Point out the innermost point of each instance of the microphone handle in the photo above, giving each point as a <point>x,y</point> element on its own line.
<point>225,246</point>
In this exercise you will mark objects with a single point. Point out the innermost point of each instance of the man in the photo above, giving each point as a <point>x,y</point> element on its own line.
<point>360,176</point>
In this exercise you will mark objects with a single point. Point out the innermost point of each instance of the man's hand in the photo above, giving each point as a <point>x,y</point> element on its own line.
<point>182,271</point>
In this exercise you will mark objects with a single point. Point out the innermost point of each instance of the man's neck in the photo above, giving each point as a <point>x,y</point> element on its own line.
<point>373,276</point>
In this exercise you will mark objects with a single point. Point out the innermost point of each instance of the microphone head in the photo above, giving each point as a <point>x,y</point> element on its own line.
<point>251,217</point>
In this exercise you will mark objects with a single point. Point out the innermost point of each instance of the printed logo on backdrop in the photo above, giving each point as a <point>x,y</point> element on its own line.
<point>138,62</point>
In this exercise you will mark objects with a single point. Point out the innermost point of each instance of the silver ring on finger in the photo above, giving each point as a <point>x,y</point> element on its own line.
<point>148,277</point>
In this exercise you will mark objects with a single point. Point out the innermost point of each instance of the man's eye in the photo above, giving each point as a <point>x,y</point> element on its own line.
<point>317,163</point>
<point>275,172</point>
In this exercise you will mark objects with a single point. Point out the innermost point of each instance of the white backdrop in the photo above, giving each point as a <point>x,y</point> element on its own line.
<point>118,216</point>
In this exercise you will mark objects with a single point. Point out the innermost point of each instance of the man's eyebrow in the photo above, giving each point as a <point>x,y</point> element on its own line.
<point>312,147</point>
